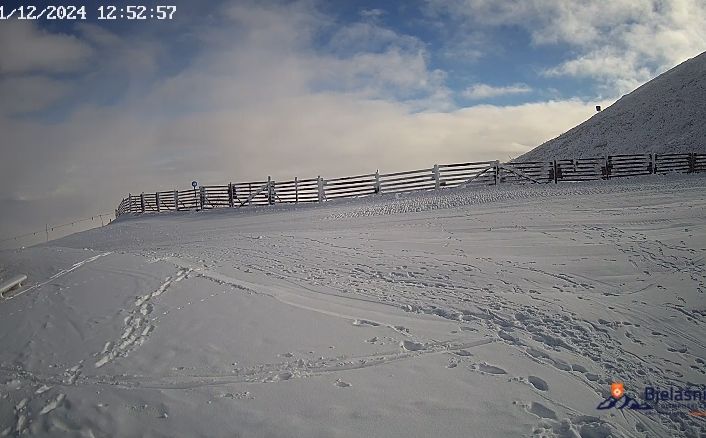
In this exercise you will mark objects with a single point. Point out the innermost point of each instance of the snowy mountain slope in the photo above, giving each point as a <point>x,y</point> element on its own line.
<point>667,114</point>
<point>466,312</point>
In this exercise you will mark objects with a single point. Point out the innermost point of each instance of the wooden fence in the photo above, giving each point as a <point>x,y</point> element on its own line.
<point>269,192</point>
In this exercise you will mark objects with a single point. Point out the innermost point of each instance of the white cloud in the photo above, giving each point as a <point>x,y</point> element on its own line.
<point>27,49</point>
<point>372,14</point>
<point>485,91</point>
<point>29,93</point>
<point>620,43</point>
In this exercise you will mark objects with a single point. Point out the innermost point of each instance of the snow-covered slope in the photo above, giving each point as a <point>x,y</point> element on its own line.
<point>667,114</point>
<point>499,311</point>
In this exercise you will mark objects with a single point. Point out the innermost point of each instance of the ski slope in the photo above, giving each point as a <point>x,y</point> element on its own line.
<point>500,311</point>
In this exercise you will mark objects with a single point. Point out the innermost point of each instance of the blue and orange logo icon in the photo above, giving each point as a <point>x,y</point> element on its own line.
<point>617,390</point>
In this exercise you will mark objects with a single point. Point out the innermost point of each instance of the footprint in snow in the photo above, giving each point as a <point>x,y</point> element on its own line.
<point>538,383</point>
<point>542,411</point>
<point>341,384</point>
<point>364,322</point>
<point>412,346</point>
<point>490,369</point>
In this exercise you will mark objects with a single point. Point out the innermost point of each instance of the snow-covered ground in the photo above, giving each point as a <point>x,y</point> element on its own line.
<point>501,311</point>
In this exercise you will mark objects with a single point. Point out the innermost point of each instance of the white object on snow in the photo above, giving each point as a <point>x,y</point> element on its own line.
<point>12,283</point>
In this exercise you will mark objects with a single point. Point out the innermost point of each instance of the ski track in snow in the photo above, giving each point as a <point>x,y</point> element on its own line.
<point>54,277</point>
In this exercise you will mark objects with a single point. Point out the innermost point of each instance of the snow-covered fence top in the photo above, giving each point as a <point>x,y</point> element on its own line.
<point>268,192</point>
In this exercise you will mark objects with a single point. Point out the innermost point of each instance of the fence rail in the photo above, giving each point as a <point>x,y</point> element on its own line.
<point>49,229</point>
<point>269,192</point>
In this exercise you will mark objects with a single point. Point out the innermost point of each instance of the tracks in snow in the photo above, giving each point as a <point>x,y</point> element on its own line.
<point>136,325</point>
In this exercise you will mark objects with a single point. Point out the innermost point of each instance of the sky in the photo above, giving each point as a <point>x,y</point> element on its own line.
<point>91,110</point>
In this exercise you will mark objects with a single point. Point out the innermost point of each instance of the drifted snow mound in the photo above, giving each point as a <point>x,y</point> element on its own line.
<point>664,115</point>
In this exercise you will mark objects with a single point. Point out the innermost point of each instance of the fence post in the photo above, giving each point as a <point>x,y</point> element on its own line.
<point>142,202</point>
<point>176,200</point>
<point>377,181</point>
<point>202,196</point>
<point>692,162</point>
<point>270,191</point>
<point>437,181</point>
<point>230,195</point>
<point>556,172</point>
<point>322,194</point>
<point>156,195</point>
<point>651,166</point>
<point>296,190</point>
<point>607,166</point>
<point>497,172</point>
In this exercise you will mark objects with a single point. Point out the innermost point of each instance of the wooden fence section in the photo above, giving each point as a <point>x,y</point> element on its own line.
<point>529,172</point>
<point>351,186</point>
<point>699,162</point>
<point>582,169</point>
<point>268,192</point>
<point>629,165</point>
<point>453,175</point>
<point>665,163</point>
<point>411,180</point>
<point>297,190</point>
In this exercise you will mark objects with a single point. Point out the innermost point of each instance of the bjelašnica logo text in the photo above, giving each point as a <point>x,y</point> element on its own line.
<point>665,400</point>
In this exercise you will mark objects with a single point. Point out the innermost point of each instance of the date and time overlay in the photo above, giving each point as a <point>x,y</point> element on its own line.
<point>83,12</point>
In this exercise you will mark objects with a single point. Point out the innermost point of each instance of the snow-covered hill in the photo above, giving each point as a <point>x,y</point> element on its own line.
<point>667,114</point>
<point>497,311</point>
